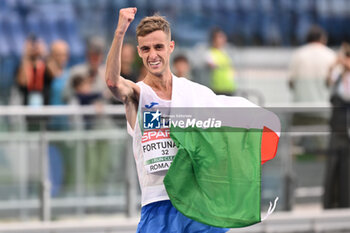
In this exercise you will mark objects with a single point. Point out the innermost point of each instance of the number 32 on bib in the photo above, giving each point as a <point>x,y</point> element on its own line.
<point>158,149</point>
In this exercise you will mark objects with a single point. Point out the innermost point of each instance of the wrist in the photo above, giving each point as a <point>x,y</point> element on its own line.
<point>119,33</point>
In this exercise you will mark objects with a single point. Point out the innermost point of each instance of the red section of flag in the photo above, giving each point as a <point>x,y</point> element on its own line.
<point>269,143</point>
<point>155,134</point>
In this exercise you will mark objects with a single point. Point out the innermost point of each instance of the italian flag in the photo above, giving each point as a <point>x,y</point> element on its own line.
<point>215,177</point>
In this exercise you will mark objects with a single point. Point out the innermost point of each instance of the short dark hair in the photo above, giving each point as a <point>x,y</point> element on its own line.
<point>213,32</point>
<point>315,34</point>
<point>77,80</point>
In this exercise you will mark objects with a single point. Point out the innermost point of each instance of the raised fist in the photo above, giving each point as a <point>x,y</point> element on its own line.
<point>126,16</point>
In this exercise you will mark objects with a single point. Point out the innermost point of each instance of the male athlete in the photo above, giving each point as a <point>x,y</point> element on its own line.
<point>154,47</point>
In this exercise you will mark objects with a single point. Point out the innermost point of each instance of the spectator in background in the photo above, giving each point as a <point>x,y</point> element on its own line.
<point>307,73</point>
<point>32,78</point>
<point>59,74</point>
<point>220,64</point>
<point>182,66</point>
<point>61,162</point>
<point>56,65</point>
<point>93,69</point>
<point>84,94</point>
<point>337,182</point>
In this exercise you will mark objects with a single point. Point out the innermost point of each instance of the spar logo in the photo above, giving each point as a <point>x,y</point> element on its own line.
<point>156,134</point>
<point>151,120</point>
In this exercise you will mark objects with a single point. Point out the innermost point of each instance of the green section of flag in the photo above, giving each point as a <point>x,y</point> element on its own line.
<point>215,177</point>
<point>160,159</point>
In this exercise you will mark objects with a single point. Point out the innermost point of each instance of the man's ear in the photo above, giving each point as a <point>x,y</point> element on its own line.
<point>138,51</point>
<point>172,46</point>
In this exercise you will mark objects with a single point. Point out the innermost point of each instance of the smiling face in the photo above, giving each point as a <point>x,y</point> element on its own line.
<point>155,49</point>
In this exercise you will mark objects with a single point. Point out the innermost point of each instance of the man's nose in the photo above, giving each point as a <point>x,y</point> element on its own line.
<point>153,54</point>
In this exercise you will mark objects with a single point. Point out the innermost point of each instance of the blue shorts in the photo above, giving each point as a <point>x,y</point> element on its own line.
<point>162,217</point>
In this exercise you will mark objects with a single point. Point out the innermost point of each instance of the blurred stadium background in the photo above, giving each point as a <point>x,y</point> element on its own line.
<point>78,180</point>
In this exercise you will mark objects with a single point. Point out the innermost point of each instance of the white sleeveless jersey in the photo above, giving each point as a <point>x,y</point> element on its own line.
<point>153,148</point>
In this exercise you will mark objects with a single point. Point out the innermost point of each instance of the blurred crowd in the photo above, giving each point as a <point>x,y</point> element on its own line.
<point>43,76</point>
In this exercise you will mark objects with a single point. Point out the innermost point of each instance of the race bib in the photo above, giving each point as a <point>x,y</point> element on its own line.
<point>158,149</point>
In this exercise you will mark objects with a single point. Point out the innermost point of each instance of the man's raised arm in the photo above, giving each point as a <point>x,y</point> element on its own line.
<point>124,90</point>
